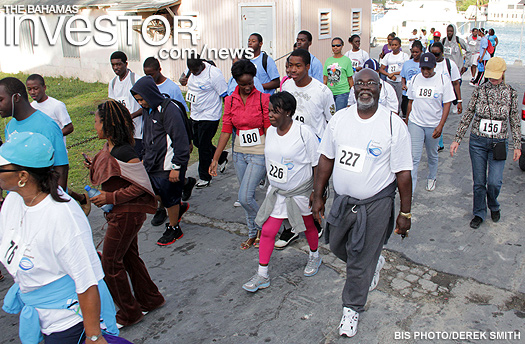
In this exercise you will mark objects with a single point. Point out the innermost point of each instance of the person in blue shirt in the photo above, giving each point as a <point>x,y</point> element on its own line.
<point>232,84</point>
<point>14,102</point>
<point>304,41</point>
<point>409,70</point>
<point>166,86</point>
<point>267,72</point>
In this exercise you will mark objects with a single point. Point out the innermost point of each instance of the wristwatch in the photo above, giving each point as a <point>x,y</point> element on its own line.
<point>94,338</point>
<point>407,215</point>
<point>175,167</point>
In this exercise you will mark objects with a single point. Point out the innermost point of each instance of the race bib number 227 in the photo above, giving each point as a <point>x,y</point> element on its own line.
<point>350,159</point>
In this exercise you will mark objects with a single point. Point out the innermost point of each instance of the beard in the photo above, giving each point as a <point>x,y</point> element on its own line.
<point>365,104</point>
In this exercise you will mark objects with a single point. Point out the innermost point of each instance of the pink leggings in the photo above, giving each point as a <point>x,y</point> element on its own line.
<point>270,230</point>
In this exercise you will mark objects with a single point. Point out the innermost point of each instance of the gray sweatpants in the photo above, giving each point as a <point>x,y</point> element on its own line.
<point>360,268</point>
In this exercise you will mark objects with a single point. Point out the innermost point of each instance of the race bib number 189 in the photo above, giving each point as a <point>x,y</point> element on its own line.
<point>351,159</point>
<point>425,92</point>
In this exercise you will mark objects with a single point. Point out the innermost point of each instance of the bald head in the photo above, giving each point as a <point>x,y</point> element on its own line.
<point>367,73</point>
<point>367,87</point>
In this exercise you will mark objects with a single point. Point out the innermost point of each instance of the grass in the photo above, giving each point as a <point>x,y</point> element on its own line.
<point>81,98</point>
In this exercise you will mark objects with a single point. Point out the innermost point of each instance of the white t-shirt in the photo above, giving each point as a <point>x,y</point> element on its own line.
<point>429,95</point>
<point>441,68</point>
<point>121,93</point>
<point>289,162</point>
<point>315,104</point>
<point>56,110</point>
<point>368,153</point>
<point>394,63</point>
<point>358,57</point>
<point>387,97</point>
<point>204,94</point>
<point>59,242</point>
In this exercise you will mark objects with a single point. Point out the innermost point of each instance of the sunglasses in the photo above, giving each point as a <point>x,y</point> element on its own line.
<point>5,170</point>
<point>336,45</point>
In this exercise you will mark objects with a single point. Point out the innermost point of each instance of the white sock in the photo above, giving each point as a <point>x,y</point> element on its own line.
<point>314,254</point>
<point>263,271</point>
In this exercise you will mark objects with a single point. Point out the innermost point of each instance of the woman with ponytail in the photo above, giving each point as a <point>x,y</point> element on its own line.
<point>46,244</point>
<point>125,184</point>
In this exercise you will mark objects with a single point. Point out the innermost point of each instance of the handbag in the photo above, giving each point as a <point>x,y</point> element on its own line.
<point>499,149</point>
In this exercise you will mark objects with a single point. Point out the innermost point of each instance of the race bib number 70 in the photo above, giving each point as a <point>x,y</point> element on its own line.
<point>350,159</point>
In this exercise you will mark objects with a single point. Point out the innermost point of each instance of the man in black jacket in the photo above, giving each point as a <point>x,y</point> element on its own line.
<point>166,151</point>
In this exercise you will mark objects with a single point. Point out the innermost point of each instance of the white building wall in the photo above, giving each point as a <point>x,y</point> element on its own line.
<point>505,11</point>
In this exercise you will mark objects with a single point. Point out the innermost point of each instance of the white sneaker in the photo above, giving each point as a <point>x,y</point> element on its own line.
<point>348,325</point>
<point>237,204</point>
<point>202,183</point>
<point>312,266</point>
<point>379,266</point>
<point>431,185</point>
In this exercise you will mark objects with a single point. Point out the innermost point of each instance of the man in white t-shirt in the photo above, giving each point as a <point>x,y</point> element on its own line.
<point>206,90</point>
<point>36,87</point>
<point>368,150</point>
<point>315,102</point>
<point>430,95</point>
<point>119,89</point>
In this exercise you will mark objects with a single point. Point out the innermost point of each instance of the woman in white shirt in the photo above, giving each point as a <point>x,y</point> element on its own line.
<point>391,66</point>
<point>291,157</point>
<point>46,245</point>
<point>430,95</point>
<point>356,54</point>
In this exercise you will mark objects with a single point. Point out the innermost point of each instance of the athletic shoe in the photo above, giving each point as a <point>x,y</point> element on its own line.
<point>472,84</point>
<point>476,222</point>
<point>320,229</point>
<point>188,188</point>
<point>287,236</point>
<point>171,234</point>
<point>256,282</point>
<point>184,206</point>
<point>160,216</point>
<point>495,215</point>
<point>202,184</point>
<point>237,204</point>
<point>379,266</point>
<point>441,148</point>
<point>222,166</point>
<point>348,325</point>
<point>431,185</point>
<point>312,266</point>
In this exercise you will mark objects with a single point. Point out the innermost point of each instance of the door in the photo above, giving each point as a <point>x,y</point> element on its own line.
<point>258,19</point>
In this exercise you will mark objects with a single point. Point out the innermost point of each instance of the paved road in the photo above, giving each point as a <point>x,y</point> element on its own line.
<point>444,277</point>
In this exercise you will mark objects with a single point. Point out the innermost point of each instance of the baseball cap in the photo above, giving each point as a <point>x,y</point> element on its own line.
<point>437,34</point>
<point>372,64</point>
<point>495,67</point>
<point>427,60</point>
<point>27,149</point>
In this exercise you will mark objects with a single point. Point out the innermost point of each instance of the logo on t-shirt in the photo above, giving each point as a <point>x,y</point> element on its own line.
<point>374,149</point>
<point>334,73</point>
<point>26,264</point>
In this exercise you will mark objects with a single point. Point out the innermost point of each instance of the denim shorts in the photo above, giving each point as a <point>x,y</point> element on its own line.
<point>170,193</point>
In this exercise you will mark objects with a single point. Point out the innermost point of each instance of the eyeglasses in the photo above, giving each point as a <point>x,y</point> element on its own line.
<point>336,45</point>
<point>368,83</point>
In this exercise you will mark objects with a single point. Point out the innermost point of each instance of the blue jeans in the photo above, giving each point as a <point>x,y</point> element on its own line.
<point>250,169</point>
<point>341,101</point>
<point>486,188</point>
<point>420,136</point>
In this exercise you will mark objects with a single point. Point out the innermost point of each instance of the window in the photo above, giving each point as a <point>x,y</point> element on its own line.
<point>511,7</point>
<point>27,30</point>
<point>355,28</point>
<point>68,49</point>
<point>131,51</point>
<point>325,23</point>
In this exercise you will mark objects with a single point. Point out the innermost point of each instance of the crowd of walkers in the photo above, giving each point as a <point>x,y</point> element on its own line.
<point>359,122</point>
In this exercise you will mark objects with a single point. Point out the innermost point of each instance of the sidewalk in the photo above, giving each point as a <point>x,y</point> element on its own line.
<point>444,277</point>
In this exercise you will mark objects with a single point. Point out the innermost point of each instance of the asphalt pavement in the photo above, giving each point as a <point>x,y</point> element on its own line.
<point>444,281</point>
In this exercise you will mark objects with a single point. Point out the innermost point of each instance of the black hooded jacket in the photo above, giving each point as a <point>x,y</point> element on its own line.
<point>165,138</point>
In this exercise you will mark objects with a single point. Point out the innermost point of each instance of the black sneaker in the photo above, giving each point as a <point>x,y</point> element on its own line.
<point>183,208</point>
<point>287,236</point>
<point>320,229</point>
<point>171,234</point>
<point>441,148</point>
<point>495,215</point>
<point>160,216</point>
<point>188,188</point>
<point>476,222</point>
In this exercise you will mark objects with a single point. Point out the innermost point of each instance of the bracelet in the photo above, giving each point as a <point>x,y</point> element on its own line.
<point>460,100</point>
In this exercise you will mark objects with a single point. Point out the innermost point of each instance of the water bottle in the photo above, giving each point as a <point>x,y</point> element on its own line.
<point>92,192</point>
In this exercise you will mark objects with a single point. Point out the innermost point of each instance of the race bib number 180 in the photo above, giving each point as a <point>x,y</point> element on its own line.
<point>249,138</point>
<point>351,159</point>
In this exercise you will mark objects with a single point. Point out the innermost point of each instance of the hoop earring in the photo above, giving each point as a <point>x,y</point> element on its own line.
<point>20,184</point>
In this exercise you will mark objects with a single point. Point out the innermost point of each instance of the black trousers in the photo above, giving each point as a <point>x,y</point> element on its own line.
<point>203,133</point>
